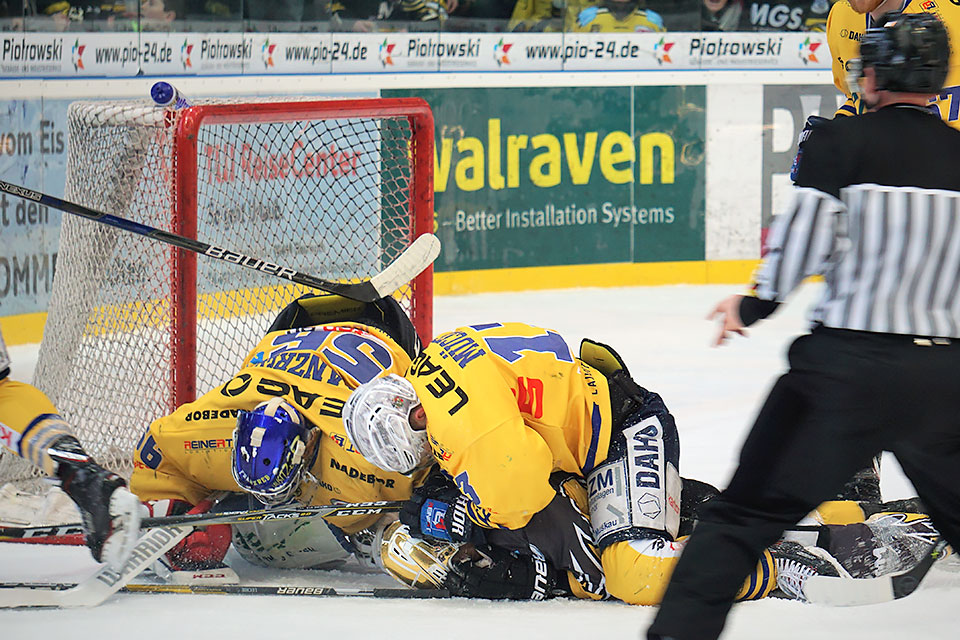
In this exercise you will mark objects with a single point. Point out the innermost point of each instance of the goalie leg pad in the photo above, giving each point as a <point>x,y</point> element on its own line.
<point>637,571</point>
<point>305,543</point>
<point>636,492</point>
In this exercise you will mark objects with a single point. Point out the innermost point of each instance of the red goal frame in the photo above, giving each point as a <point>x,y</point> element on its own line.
<point>184,263</point>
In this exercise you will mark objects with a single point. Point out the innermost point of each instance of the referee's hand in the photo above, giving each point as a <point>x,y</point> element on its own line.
<point>729,312</point>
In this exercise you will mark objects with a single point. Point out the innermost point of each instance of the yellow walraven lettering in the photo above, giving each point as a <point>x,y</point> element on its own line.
<point>514,145</point>
<point>581,165</point>
<point>441,165</point>
<point>470,168</point>
<point>545,167</point>
<point>663,142</point>
<point>493,154</point>
<point>617,148</point>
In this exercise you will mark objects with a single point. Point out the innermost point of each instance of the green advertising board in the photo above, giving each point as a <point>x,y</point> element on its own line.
<point>564,176</point>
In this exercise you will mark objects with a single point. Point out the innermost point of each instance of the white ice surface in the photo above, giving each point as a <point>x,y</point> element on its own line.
<point>662,334</point>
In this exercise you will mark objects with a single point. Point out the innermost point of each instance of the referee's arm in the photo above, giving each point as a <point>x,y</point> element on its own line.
<point>802,239</point>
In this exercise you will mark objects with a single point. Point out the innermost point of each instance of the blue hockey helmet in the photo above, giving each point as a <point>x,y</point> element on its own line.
<point>268,447</point>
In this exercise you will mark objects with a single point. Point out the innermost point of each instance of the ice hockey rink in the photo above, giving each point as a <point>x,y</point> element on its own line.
<point>663,335</point>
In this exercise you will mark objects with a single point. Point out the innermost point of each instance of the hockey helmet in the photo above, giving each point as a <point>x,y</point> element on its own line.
<point>377,420</point>
<point>268,449</point>
<point>908,53</point>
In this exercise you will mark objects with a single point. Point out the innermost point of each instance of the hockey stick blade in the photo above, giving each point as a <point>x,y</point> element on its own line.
<point>851,592</point>
<point>414,259</point>
<point>29,534</point>
<point>287,590</point>
<point>102,584</point>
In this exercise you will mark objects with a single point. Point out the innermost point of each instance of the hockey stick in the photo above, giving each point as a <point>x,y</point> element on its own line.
<point>848,592</point>
<point>44,534</point>
<point>414,259</point>
<point>287,590</point>
<point>102,584</point>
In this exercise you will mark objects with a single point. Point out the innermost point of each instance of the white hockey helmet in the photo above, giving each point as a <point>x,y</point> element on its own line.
<point>377,420</point>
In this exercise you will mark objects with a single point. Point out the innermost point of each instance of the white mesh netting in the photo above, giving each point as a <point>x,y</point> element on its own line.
<point>329,197</point>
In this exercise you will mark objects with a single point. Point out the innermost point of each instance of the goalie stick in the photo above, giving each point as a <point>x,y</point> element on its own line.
<point>849,592</point>
<point>45,534</point>
<point>418,256</point>
<point>102,584</point>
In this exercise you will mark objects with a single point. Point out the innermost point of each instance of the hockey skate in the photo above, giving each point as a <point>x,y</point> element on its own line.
<point>795,563</point>
<point>111,514</point>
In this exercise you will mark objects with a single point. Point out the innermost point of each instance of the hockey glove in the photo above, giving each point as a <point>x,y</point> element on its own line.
<point>494,573</point>
<point>812,123</point>
<point>438,510</point>
<point>205,548</point>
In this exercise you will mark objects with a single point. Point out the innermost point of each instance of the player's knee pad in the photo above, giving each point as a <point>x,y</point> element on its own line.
<point>414,562</point>
<point>636,491</point>
<point>289,544</point>
<point>761,582</point>
<point>637,571</point>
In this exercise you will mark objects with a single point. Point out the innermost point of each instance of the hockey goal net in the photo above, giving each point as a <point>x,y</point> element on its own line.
<point>332,188</point>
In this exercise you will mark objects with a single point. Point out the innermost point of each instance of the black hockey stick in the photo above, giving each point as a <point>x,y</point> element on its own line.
<point>414,259</point>
<point>848,592</point>
<point>48,533</point>
<point>288,590</point>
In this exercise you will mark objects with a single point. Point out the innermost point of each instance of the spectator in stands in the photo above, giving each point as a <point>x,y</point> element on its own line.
<point>479,15</point>
<point>11,15</point>
<point>390,15</point>
<point>614,16</point>
<point>292,12</point>
<point>156,15</point>
<point>721,15</point>
<point>540,15</point>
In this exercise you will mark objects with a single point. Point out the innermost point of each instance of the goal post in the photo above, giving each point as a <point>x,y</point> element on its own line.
<point>332,188</point>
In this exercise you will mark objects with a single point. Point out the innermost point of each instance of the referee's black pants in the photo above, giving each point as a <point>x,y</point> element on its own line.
<point>847,396</point>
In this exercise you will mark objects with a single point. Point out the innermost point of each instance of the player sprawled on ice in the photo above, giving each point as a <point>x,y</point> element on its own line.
<point>559,475</point>
<point>30,427</point>
<point>274,431</point>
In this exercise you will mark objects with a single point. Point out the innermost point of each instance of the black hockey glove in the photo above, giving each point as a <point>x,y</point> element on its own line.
<point>438,510</point>
<point>812,123</point>
<point>499,574</point>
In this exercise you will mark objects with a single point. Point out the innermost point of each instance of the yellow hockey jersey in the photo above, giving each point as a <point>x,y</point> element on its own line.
<point>845,29</point>
<point>507,405</point>
<point>187,454</point>
<point>596,19</point>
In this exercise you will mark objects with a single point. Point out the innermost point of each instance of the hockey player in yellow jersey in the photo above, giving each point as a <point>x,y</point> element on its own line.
<point>846,24</point>
<point>613,16</point>
<point>30,427</point>
<point>509,414</point>
<point>288,394</point>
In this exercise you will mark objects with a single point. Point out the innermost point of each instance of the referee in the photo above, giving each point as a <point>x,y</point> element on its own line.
<point>876,211</point>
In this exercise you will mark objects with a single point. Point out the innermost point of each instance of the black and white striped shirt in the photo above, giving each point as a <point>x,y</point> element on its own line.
<point>876,212</point>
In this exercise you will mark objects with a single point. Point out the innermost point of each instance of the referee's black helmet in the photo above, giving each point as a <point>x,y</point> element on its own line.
<point>908,52</point>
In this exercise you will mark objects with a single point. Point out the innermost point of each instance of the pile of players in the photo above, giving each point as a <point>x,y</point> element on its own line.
<point>528,471</point>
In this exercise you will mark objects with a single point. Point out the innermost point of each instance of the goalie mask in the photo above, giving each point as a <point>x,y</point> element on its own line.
<point>377,421</point>
<point>268,447</point>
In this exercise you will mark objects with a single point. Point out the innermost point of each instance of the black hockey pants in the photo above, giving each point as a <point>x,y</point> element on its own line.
<point>847,396</point>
